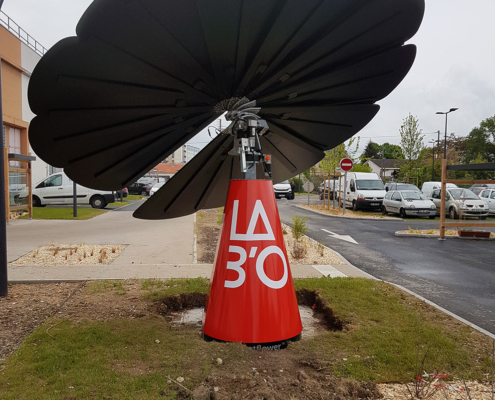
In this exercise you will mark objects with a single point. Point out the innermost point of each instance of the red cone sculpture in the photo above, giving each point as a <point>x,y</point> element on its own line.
<point>252,298</point>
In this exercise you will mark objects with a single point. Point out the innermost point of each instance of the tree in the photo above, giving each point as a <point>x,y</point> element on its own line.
<point>411,143</point>
<point>481,142</point>
<point>332,157</point>
<point>372,150</point>
<point>391,152</point>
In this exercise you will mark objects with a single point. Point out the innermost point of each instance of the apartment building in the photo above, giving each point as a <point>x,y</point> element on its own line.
<point>19,55</point>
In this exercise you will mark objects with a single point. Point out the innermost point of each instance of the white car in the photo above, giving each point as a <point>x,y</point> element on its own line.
<point>408,203</point>
<point>59,189</point>
<point>156,187</point>
<point>488,196</point>
<point>283,189</point>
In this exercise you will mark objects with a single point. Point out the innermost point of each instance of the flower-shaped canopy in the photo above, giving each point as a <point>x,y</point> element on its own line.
<point>142,77</point>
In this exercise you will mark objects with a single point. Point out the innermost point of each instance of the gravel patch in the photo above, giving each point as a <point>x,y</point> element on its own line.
<point>70,254</point>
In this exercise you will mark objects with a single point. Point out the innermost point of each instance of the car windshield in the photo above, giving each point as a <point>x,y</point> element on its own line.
<point>369,184</point>
<point>459,194</point>
<point>413,196</point>
<point>283,183</point>
<point>407,187</point>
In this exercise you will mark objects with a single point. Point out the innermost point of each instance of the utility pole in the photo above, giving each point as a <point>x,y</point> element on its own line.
<point>433,158</point>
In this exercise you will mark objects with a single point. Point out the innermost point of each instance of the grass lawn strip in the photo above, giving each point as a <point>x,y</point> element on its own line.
<point>337,212</point>
<point>110,340</point>
<point>64,213</point>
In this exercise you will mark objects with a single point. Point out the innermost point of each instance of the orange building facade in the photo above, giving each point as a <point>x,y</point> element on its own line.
<point>18,61</point>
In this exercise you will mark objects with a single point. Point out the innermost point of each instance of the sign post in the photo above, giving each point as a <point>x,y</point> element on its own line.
<point>308,187</point>
<point>346,164</point>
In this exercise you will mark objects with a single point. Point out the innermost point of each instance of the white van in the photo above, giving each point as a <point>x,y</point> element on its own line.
<point>363,190</point>
<point>429,187</point>
<point>58,189</point>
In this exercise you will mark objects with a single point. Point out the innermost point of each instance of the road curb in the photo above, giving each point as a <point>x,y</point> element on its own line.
<point>344,217</point>
<point>423,235</point>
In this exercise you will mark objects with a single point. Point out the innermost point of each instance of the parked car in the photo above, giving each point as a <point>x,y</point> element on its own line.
<point>477,188</point>
<point>124,191</point>
<point>488,196</point>
<point>461,203</point>
<point>363,190</point>
<point>325,186</point>
<point>429,187</point>
<point>400,186</point>
<point>406,203</point>
<point>140,188</point>
<point>59,189</point>
<point>155,188</point>
<point>283,189</point>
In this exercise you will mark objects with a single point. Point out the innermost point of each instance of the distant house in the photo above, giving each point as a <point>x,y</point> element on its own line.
<point>164,171</point>
<point>384,167</point>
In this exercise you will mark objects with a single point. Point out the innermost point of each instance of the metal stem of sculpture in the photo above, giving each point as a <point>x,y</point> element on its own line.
<point>252,298</point>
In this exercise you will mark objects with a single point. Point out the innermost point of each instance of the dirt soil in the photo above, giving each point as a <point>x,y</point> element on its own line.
<point>262,374</point>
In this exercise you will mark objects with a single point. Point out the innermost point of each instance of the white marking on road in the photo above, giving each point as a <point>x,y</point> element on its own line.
<point>345,238</point>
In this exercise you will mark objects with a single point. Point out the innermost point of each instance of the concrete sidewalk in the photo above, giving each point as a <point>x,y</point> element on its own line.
<point>149,242</point>
<point>155,249</point>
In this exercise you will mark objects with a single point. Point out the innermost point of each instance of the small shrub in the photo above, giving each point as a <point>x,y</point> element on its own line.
<point>321,248</point>
<point>298,250</point>
<point>300,227</point>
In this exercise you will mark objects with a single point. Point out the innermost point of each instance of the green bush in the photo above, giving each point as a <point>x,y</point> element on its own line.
<point>299,228</point>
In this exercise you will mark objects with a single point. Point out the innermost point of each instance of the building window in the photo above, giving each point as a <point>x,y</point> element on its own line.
<point>14,145</point>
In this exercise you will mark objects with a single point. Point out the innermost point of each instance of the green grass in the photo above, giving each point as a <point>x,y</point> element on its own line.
<point>390,330</point>
<point>64,213</point>
<point>120,204</point>
<point>157,288</point>
<point>384,332</point>
<point>134,197</point>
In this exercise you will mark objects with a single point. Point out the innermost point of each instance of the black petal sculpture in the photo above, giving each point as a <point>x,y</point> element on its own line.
<point>143,77</point>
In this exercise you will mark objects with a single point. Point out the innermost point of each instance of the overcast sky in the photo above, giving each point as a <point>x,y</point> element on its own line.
<point>454,66</point>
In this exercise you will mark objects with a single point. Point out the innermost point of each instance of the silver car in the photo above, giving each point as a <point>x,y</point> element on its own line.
<point>408,203</point>
<point>461,203</point>
<point>488,196</point>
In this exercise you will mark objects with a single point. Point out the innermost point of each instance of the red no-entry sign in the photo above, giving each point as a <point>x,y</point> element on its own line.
<point>346,164</point>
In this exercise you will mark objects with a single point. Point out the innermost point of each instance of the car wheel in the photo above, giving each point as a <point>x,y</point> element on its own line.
<point>36,201</point>
<point>452,213</point>
<point>402,213</point>
<point>98,202</point>
<point>384,210</point>
<point>354,206</point>
<point>431,217</point>
<point>144,193</point>
<point>482,218</point>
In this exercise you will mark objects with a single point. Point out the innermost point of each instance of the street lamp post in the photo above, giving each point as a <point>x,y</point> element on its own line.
<point>445,143</point>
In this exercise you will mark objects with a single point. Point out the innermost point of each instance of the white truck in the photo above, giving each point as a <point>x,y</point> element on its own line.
<point>58,188</point>
<point>363,190</point>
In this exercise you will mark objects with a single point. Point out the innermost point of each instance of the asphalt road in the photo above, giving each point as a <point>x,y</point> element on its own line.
<point>458,275</point>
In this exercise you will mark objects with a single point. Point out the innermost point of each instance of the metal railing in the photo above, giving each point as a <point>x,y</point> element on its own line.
<point>20,33</point>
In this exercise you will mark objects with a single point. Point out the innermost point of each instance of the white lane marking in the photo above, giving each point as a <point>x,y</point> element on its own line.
<point>346,238</point>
